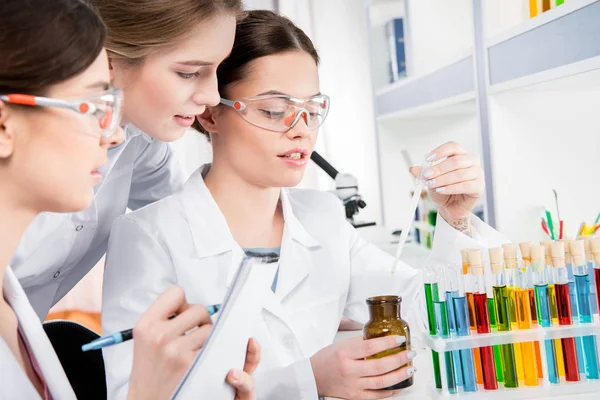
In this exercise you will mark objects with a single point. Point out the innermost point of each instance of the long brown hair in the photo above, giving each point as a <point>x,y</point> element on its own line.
<point>43,43</point>
<point>137,28</point>
<point>259,33</point>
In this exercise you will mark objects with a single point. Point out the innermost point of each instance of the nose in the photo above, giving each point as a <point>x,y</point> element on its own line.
<point>300,128</point>
<point>207,93</point>
<point>117,137</point>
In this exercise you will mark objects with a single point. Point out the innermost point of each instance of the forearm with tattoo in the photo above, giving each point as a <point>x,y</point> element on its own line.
<point>462,225</point>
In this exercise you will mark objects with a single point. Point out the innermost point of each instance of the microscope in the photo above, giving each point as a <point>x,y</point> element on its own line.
<point>346,189</point>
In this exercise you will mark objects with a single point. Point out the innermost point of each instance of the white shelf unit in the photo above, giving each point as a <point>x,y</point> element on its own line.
<point>451,86</point>
<point>434,104</point>
<point>544,81</point>
<point>558,43</point>
<point>542,87</point>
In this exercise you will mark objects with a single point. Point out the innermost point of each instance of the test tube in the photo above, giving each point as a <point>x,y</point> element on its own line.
<point>526,257</point>
<point>471,305</point>
<point>563,303</point>
<point>580,272</point>
<point>542,296</point>
<point>509,367</point>
<point>482,319</point>
<point>572,293</point>
<point>560,360</point>
<point>431,295</point>
<point>512,273</point>
<point>461,314</point>
<point>451,293</point>
<point>595,249</point>
<point>493,325</point>
<point>440,310</point>
<point>528,283</point>
<point>590,261</point>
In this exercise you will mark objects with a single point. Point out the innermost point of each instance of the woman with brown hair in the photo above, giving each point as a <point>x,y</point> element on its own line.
<point>262,135</point>
<point>59,117</point>
<point>163,55</point>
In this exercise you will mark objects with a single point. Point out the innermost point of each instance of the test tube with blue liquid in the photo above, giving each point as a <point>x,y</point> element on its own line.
<point>451,293</point>
<point>544,315</point>
<point>461,316</point>
<point>573,297</point>
<point>582,288</point>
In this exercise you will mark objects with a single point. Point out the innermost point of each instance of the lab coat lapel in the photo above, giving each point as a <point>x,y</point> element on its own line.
<point>39,344</point>
<point>296,246</point>
<point>207,223</point>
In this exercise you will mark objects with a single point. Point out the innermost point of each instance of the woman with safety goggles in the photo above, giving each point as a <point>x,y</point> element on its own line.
<point>262,135</point>
<point>163,57</point>
<point>58,118</point>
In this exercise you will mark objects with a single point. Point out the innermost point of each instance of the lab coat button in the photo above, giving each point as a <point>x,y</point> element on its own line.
<point>79,227</point>
<point>57,274</point>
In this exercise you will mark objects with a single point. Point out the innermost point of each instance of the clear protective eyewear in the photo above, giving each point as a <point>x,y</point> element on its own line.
<point>280,113</point>
<point>106,107</point>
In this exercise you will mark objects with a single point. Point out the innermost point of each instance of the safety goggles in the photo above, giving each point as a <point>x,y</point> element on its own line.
<point>280,113</point>
<point>105,107</point>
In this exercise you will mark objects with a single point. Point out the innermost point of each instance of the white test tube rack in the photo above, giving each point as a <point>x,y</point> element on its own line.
<point>536,334</point>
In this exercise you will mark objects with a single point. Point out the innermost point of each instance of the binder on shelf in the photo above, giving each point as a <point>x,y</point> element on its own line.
<point>395,35</point>
<point>225,348</point>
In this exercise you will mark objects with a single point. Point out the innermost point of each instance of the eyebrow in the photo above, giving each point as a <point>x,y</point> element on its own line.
<point>98,85</point>
<point>195,63</point>
<point>276,92</point>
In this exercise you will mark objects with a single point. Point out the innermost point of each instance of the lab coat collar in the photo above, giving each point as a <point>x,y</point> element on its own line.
<point>293,225</point>
<point>212,236</point>
<point>132,131</point>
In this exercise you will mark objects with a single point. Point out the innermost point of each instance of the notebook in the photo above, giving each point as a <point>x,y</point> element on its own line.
<point>226,345</point>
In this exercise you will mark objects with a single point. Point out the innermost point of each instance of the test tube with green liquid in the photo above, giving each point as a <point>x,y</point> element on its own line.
<point>431,296</point>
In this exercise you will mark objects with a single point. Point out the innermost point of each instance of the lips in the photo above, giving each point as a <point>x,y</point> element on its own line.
<point>295,158</point>
<point>294,154</point>
<point>185,121</point>
<point>96,176</point>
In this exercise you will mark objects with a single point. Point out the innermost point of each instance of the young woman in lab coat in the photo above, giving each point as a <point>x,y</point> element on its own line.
<point>262,136</point>
<point>164,57</point>
<point>51,149</point>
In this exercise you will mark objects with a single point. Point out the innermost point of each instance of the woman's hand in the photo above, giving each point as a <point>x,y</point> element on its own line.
<point>455,184</point>
<point>242,380</point>
<point>162,351</point>
<point>341,370</point>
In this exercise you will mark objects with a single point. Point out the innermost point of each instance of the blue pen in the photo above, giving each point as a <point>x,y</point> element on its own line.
<point>123,336</point>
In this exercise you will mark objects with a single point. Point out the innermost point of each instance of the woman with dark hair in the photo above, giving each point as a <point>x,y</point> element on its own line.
<point>262,135</point>
<point>163,55</point>
<point>58,117</point>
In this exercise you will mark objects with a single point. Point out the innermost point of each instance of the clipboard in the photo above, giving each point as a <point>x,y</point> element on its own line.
<point>226,345</point>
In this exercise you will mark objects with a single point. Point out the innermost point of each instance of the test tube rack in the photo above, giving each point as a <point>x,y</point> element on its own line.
<point>536,334</point>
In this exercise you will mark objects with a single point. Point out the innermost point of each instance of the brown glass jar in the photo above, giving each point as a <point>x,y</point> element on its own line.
<point>385,320</point>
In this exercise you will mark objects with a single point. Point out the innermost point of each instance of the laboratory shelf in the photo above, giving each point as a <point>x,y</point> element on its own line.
<point>562,42</point>
<point>450,87</point>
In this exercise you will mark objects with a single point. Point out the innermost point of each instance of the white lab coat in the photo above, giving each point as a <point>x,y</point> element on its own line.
<point>326,270</point>
<point>57,250</point>
<point>14,381</point>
